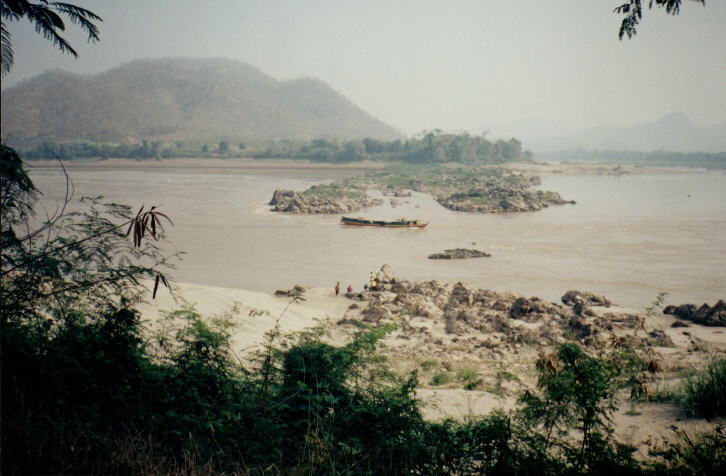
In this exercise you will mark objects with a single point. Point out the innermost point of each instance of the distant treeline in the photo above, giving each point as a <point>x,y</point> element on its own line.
<point>143,150</point>
<point>429,148</point>
<point>715,160</point>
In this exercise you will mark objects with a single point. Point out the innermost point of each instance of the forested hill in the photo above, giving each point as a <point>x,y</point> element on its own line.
<point>180,99</point>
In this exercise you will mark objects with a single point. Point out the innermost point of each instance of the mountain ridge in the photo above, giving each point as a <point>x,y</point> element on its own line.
<point>673,132</point>
<point>180,98</point>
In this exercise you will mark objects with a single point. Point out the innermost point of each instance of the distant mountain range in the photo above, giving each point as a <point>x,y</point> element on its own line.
<point>172,99</point>
<point>673,132</point>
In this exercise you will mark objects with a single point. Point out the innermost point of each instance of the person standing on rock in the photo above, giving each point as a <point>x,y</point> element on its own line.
<point>337,288</point>
<point>350,288</point>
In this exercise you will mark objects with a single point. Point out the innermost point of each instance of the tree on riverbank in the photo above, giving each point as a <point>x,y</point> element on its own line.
<point>433,147</point>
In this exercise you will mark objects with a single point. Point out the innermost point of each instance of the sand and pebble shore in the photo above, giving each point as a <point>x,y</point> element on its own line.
<point>449,329</point>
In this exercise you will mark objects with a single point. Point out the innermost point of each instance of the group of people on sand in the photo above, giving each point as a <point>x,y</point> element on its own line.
<point>372,285</point>
<point>373,282</point>
<point>337,288</point>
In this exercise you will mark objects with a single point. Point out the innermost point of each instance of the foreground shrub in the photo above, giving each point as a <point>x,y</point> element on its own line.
<point>570,416</point>
<point>706,392</point>
<point>703,454</point>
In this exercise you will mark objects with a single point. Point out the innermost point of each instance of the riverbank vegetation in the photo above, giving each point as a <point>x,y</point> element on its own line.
<point>432,147</point>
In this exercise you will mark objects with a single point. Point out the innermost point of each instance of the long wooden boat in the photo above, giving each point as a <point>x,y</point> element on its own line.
<point>400,223</point>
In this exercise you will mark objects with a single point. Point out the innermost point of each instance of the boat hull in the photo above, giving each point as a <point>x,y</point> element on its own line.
<point>382,223</point>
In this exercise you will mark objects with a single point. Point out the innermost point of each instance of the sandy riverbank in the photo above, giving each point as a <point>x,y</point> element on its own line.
<point>639,424</point>
<point>256,311</point>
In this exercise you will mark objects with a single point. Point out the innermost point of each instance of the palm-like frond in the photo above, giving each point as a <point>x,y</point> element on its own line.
<point>633,11</point>
<point>80,16</point>
<point>45,16</point>
<point>48,23</point>
<point>6,50</point>
<point>13,9</point>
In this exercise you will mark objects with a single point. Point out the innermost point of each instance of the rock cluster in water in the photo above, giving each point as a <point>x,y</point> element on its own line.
<point>460,253</point>
<point>500,198</point>
<point>483,191</point>
<point>705,315</point>
<point>295,202</point>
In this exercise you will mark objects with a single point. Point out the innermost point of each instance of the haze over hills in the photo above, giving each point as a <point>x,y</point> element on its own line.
<point>672,132</point>
<point>180,98</point>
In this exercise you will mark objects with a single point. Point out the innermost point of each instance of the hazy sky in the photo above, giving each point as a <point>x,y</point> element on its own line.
<point>465,64</point>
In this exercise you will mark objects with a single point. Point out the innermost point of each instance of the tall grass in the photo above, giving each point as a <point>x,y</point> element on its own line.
<point>706,392</point>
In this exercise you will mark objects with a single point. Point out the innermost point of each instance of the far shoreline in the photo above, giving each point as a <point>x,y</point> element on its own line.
<point>205,163</point>
<point>569,168</point>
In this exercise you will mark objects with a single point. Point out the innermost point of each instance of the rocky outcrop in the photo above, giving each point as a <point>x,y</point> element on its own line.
<point>386,275</point>
<point>296,291</point>
<point>487,318</point>
<point>374,313</point>
<point>705,315</point>
<point>460,253</point>
<point>294,202</point>
<point>500,198</point>
<point>570,298</point>
<point>529,309</point>
<point>659,338</point>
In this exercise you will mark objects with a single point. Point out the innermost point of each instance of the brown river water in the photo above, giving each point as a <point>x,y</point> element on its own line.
<point>628,237</point>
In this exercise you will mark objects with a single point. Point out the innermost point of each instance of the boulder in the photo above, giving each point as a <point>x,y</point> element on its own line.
<point>532,309</point>
<point>570,298</point>
<point>374,313</point>
<point>461,295</point>
<point>400,287</point>
<point>659,338</point>
<point>520,307</point>
<point>705,315</point>
<point>295,291</point>
<point>460,253</point>
<point>580,327</point>
<point>386,274</point>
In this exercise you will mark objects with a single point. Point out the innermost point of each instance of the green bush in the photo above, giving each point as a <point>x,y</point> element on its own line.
<point>706,392</point>
<point>666,394</point>
<point>441,378</point>
<point>576,392</point>
<point>699,455</point>
<point>429,364</point>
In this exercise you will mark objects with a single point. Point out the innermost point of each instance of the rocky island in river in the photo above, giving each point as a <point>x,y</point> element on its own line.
<point>466,189</point>
<point>321,199</point>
